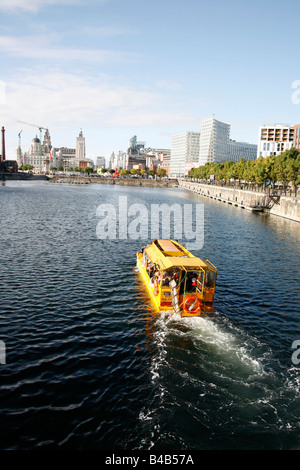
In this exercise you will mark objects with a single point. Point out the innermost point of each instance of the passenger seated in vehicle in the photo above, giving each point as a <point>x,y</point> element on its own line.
<point>166,279</point>
<point>175,275</point>
<point>194,285</point>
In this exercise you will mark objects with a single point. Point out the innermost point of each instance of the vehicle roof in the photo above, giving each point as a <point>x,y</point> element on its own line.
<point>176,262</point>
<point>166,260</point>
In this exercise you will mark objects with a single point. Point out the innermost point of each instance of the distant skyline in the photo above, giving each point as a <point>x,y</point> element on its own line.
<point>118,68</point>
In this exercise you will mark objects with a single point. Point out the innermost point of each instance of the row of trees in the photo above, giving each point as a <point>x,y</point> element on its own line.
<point>26,167</point>
<point>283,168</point>
<point>87,169</point>
<point>161,172</point>
<point>136,172</point>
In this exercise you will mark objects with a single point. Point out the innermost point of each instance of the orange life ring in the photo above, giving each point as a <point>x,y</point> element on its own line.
<point>155,290</point>
<point>189,302</point>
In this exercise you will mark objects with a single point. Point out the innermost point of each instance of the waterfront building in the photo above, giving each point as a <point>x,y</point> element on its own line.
<point>87,162</point>
<point>164,157</point>
<point>39,155</point>
<point>217,147</point>
<point>135,156</point>
<point>238,150</point>
<point>8,166</point>
<point>80,147</point>
<point>163,152</point>
<point>64,157</point>
<point>184,149</point>
<point>275,139</point>
<point>134,161</point>
<point>152,161</point>
<point>34,156</point>
<point>72,157</point>
<point>135,147</point>
<point>214,138</point>
<point>116,161</point>
<point>211,145</point>
<point>166,163</point>
<point>44,156</point>
<point>100,162</point>
<point>296,142</point>
<point>112,161</point>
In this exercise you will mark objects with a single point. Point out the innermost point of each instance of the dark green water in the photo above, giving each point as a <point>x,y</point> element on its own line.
<point>90,366</point>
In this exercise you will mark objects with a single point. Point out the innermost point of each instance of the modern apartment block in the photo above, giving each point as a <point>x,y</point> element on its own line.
<point>217,147</point>
<point>297,137</point>
<point>273,140</point>
<point>214,138</point>
<point>184,149</point>
<point>238,150</point>
<point>100,162</point>
<point>212,144</point>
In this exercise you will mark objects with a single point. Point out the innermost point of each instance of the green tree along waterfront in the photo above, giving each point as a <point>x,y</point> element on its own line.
<point>26,167</point>
<point>283,168</point>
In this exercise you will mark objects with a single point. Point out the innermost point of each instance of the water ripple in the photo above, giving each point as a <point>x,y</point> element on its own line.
<point>89,365</point>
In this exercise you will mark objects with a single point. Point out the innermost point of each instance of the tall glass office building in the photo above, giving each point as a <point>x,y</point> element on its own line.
<point>214,138</point>
<point>184,149</point>
<point>211,145</point>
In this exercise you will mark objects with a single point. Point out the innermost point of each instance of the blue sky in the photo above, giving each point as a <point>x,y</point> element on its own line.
<point>118,68</point>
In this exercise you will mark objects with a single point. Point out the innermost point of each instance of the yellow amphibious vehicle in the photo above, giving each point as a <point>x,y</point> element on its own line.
<point>176,279</point>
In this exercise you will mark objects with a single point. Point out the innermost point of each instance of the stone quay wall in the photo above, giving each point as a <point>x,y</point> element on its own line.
<point>150,183</point>
<point>285,206</point>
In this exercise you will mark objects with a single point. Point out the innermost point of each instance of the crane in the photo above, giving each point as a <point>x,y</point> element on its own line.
<point>19,149</point>
<point>40,129</point>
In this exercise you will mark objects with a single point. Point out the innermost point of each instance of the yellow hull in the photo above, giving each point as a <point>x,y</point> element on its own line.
<point>190,304</point>
<point>146,280</point>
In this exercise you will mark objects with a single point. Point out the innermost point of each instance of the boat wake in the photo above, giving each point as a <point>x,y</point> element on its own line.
<point>223,340</point>
<point>208,373</point>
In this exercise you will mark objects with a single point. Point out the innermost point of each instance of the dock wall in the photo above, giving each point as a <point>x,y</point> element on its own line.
<point>22,177</point>
<point>151,183</point>
<point>285,206</point>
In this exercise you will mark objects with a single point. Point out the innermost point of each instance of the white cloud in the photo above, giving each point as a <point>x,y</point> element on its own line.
<point>47,47</point>
<point>33,6</point>
<point>55,98</point>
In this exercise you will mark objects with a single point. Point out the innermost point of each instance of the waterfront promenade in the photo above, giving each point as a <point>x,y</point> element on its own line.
<point>280,203</point>
<point>273,202</point>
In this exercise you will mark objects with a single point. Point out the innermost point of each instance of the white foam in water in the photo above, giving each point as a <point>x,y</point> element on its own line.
<point>232,346</point>
<point>230,361</point>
